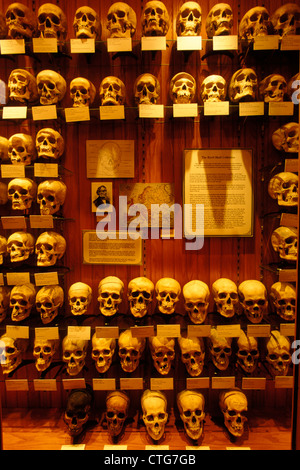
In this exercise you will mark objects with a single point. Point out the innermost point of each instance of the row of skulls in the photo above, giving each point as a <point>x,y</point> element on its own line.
<point>162,349</point>
<point>49,87</point>
<point>251,296</point>
<point>233,405</point>
<point>23,149</point>
<point>20,22</point>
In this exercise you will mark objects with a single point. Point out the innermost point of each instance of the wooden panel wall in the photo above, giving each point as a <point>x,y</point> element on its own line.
<point>159,146</point>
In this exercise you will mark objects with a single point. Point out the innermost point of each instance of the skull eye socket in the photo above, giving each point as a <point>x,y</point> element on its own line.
<point>38,305</point>
<point>283,18</point>
<point>261,302</point>
<point>37,349</point>
<point>222,295</point>
<point>150,418</point>
<point>249,303</point>
<point>289,240</point>
<point>115,296</point>
<point>161,416</point>
<point>285,357</point>
<point>81,415</point>
<point>273,357</point>
<point>187,413</point>
<point>232,412</point>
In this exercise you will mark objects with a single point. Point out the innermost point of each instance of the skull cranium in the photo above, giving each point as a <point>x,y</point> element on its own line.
<point>167,294</point>
<point>22,298</point>
<point>48,301</point>
<point>78,410</point>
<point>285,241</point>
<point>117,404</point>
<point>20,245</point>
<point>86,23</point>
<point>189,19</point>
<point>226,297</point>
<point>253,299</point>
<point>43,352</point>
<point>121,20</point>
<point>284,188</point>
<point>163,353</point>
<point>140,295</point>
<point>273,88</point>
<point>49,144</point>
<point>20,21</point>
<point>51,195</point>
<point>155,19</point>
<point>110,290</point>
<point>255,22</point>
<point>80,297</point>
<point>283,297</point>
<point>286,20</point>
<point>243,85</point>
<point>196,300</point>
<point>21,192</point>
<point>191,405</point>
<point>49,248</point>
<point>248,353</point>
<point>21,149</point>
<point>182,88</point>
<point>74,354</point>
<point>192,354</point>
<point>233,404</point>
<point>103,350</point>
<point>286,138</point>
<point>51,87</point>
<point>219,20</point>
<point>82,92</point>
<point>112,91</point>
<point>278,353</point>
<point>22,86</point>
<point>155,416</point>
<point>220,349</point>
<point>146,89</point>
<point>213,88</point>
<point>11,353</point>
<point>52,22</point>
<point>130,350</point>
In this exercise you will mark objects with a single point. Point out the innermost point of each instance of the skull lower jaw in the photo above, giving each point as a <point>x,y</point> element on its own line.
<point>111,100</point>
<point>10,365</point>
<point>108,311</point>
<point>85,33</point>
<point>138,312</point>
<point>227,312</point>
<point>194,432</point>
<point>235,429</point>
<point>129,366</point>
<point>163,369</point>
<point>20,205</point>
<point>183,98</point>
<point>78,310</point>
<point>15,257</point>
<point>48,317</point>
<point>254,317</point>
<point>102,366</point>
<point>44,260</point>
<point>222,28</point>
<point>156,432</point>
<point>166,308</point>
<point>74,369</point>
<point>195,370</point>
<point>41,364</point>
<point>19,316</point>
<point>197,318</point>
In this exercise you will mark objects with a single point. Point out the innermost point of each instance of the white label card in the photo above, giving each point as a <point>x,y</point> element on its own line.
<point>172,331</point>
<point>82,46</point>
<point>161,383</point>
<point>14,279</point>
<point>222,382</point>
<point>151,111</point>
<point>225,43</point>
<point>104,384</point>
<point>69,384</point>
<point>142,331</point>
<point>185,110</point>
<point>112,112</point>
<point>197,382</point>
<point>107,331</point>
<point>41,221</point>
<point>13,171</point>
<point>189,43</point>
<point>77,114</point>
<point>18,222</point>
<point>14,112</point>
<point>44,45</point>
<point>20,385</point>
<point>199,330</point>
<point>119,44</point>
<point>17,331</point>
<point>46,385</point>
<point>158,43</point>
<point>281,108</point>
<point>47,332</point>
<point>258,330</point>
<point>218,108</point>
<point>254,108</point>
<point>46,279</point>
<point>40,113</point>
<point>131,383</point>
<point>253,383</point>
<point>12,46</point>
<point>47,170</point>
<point>266,42</point>
<point>73,447</point>
<point>80,332</point>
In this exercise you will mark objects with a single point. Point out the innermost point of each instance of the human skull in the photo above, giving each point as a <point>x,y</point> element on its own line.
<point>86,23</point>
<point>155,416</point>
<point>80,297</point>
<point>103,350</point>
<point>11,353</point>
<point>248,353</point>
<point>192,354</point>
<point>155,19</point>
<point>219,20</point>
<point>22,86</point>
<point>253,299</point>
<point>273,88</point>
<point>74,354</point>
<point>3,248</point>
<point>130,350</point>
<point>3,149</point>
<point>82,92</point>
<point>284,188</point>
<point>233,404</point>
<point>21,192</point>
<point>220,349</point>
<point>110,290</point>
<point>49,144</point>
<point>182,88</point>
<point>278,353</point>
<point>285,241</point>
<point>189,19</point>
<point>146,89</point>
<point>286,20</point>
<point>51,195</point>
<point>48,301</point>
<point>121,21</point>
<point>52,22</point>
<point>78,410</point>
<point>20,21</point>
<point>283,297</point>
<point>4,302</point>
<point>243,85</point>
<point>162,352</point>
<point>22,298</point>
<point>51,87</point>
<point>21,149</point>
<point>286,138</point>
<point>196,300</point>
<point>167,294</point>
<point>213,88</point>
<point>112,91</point>
<point>225,295</point>
<point>43,352</point>
<point>191,405</point>
<point>293,88</point>
<point>140,295</point>
<point>255,22</point>
<point>20,245</point>
<point>49,248</point>
<point>117,404</point>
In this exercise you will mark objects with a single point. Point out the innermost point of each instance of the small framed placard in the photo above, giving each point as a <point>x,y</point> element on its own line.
<point>290,43</point>
<point>41,221</point>
<point>82,46</point>
<point>225,43</point>
<point>154,111</point>
<point>119,44</point>
<point>197,382</point>
<point>69,384</point>
<point>199,330</point>
<point>14,279</point>
<point>284,382</point>
<point>81,113</point>
<point>254,383</point>
<point>14,112</point>
<point>46,170</point>
<point>252,108</point>
<point>17,331</point>
<point>131,383</point>
<point>107,331</point>
<point>266,42</point>
<point>41,113</point>
<point>217,108</point>
<point>154,43</point>
<point>165,383</point>
<point>142,331</point>
<point>12,46</point>
<point>258,331</point>
<point>45,385</point>
<point>104,384</point>
<point>189,43</point>
<point>44,45</point>
<point>229,331</point>
<point>171,331</point>
<point>79,332</point>
<point>112,112</point>
<point>47,332</point>
<point>185,110</point>
<point>46,279</point>
<point>17,385</point>
<point>13,222</point>
<point>222,382</point>
<point>12,171</point>
<point>281,108</point>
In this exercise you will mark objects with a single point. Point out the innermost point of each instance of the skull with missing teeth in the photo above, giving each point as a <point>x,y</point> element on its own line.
<point>286,138</point>
<point>51,195</point>
<point>189,19</point>
<point>196,300</point>
<point>43,352</point>
<point>191,405</point>
<point>21,192</point>
<point>21,149</point>
<point>192,354</point>
<point>155,19</point>
<point>255,22</point>
<point>182,88</point>
<point>283,297</point>
<point>234,405</point>
<point>78,411</point>
<point>273,88</point>
<point>52,22</point>
<point>285,241</point>
<point>253,299</point>
<point>140,296</point>
<point>163,353</point>
<point>243,85</point>
<point>117,405</point>
<point>11,353</point>
<point>278,354</point>
<point>220,349</point>
<point>48,301</point>
<point>219,20</point>
<point>110,292</point>
<point>213,88</point>
<point>167,294</point>
<point>20,245</point>
<point>248,353</point>
<point>286,20</point>
<point>82,92</point>
<point>22,299</point>
<point>22,87</point>
<point>49,144</point>
<point>86,23</point>
<point>130,350</point>
<point>155,416</point>
<point>225,295</point>
<point>51,87</point>
<point>112,91</point>
<point>21,21</point>
<point>146,89</point>
<point>49,248</point>
<point>74,354</point>
<point>103,350</point>
<point>121,20</point>
<point>80,297</point>
<point>284,188</point>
